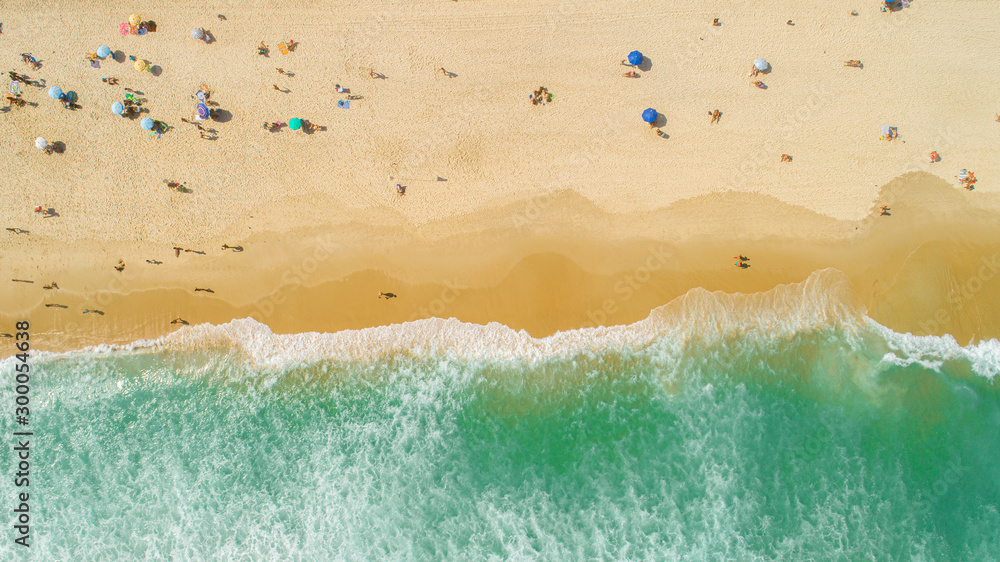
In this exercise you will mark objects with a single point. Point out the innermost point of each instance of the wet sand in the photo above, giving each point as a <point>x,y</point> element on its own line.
<point>931,267</point>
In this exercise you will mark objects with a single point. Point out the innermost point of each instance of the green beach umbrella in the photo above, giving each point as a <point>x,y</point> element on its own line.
<point>295,123</point>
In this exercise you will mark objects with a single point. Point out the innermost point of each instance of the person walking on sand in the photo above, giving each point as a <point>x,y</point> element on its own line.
<point>387,296</point>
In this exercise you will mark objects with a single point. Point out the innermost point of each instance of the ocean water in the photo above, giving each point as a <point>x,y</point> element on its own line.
<point>783,426</point>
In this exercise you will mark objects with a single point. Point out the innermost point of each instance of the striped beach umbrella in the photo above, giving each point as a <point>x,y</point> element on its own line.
<point>134,19</point>
<point>140,65</point>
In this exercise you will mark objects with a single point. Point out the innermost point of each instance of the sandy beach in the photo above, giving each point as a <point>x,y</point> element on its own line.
<point>535,216</point>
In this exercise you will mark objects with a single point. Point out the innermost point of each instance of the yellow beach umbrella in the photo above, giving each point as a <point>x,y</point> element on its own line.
<point>134,19</point>
<point>140,65</point>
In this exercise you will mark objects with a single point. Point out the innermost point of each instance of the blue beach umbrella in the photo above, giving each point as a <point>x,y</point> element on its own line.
<point>295,123</point>
<point>635,58</point>
<point>203,112</point>
<point>650,115</point>
<point>104,51</point>
<point>146,124</point>
<point>55,92</point>
<point>71,97</point>
<point>117,108</point>
<point>760,64</point>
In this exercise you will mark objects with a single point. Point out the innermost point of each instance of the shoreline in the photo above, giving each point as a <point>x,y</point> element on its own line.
<point>931,268</point>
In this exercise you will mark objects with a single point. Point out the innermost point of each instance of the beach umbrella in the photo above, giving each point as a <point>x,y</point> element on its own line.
<point>146,124</point>
<point>962,174</point>
<point>295,123</point>
<point>650,115</point>
<point>41,143</point>
<point>71,97</point>
<point>117,108</point>
<point>760,64</point>
<point>55,92</point>
<point>140,65</point>
<point>197,33</point>
<point>134,19</point>
<point>203,111</point>
<point>635,58</point>
<point>104,51</point>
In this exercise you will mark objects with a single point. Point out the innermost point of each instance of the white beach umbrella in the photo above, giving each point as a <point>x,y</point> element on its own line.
<point>41,143</point>
<point>760,64</point>
<point>197,33</point>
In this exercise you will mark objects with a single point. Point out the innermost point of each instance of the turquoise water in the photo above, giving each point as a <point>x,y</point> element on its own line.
<point>825,443</point>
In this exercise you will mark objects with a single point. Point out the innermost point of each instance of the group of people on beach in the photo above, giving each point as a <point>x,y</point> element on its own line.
<point>540,96</point>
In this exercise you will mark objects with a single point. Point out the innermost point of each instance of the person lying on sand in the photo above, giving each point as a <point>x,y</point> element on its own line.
<point>387,296</point>
<point>786,158</point>
<point>853,63</point>
<point>715,116</point>
<point>631,74</point>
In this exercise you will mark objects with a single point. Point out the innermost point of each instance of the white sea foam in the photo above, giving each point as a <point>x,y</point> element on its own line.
<point>824,300</point>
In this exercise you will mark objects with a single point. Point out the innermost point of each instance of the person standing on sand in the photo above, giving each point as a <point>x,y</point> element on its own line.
<point>715,116</point>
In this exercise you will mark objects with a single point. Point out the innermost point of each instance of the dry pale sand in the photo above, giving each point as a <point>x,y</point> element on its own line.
<point>535,213</point>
